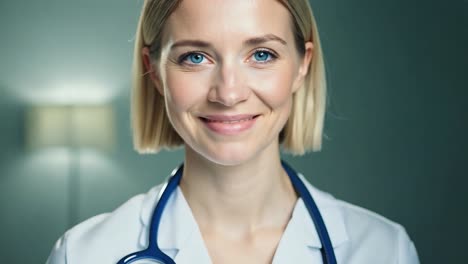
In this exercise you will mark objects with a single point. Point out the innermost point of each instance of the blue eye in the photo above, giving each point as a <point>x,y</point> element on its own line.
<point>195,58</point>
<point>262,55</point>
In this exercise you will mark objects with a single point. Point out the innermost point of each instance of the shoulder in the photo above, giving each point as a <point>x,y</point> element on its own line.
<point>366,234</point>
<point>121,228</point>
<point>379,233</point>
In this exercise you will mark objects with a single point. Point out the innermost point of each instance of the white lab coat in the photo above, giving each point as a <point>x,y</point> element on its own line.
<point>358,236</point>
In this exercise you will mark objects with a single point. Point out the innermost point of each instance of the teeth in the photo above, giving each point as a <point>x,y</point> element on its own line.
<point>230,121</point>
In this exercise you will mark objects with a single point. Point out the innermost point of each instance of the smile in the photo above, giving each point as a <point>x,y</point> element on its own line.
<point>229,125</point>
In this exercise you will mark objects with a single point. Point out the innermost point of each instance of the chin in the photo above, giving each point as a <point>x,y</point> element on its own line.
<point>227,154</point>
<point>230,157</point>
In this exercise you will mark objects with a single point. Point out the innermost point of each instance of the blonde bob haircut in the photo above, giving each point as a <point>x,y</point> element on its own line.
<point>152,130</point>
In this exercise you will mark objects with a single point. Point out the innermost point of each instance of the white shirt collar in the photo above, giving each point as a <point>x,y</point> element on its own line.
<point>179,231</point>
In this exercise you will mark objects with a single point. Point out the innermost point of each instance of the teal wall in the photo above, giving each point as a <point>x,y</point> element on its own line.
<point>395,129</point>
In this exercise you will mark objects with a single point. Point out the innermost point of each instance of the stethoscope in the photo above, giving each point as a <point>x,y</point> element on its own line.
<point>153,254</point>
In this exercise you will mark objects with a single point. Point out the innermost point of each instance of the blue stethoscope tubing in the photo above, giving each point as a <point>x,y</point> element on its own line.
<point>153,252</point>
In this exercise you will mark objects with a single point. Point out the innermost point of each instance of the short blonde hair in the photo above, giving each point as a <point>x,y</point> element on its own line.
<point>152,130</point>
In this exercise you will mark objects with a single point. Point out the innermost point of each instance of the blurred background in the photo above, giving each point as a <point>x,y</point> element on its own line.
<point>396,127</point>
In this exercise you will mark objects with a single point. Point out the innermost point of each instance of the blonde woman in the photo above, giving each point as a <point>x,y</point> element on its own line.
<point>231,81</point>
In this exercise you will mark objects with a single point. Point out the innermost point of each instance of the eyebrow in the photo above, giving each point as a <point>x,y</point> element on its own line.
<point>263,39</point>
<point>249,42</point>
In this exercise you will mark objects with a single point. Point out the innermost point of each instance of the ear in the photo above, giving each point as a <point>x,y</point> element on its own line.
<point>151,71</point>
<point>304,65</point>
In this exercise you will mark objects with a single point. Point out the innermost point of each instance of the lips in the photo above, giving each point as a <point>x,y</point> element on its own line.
<point>229,124</point>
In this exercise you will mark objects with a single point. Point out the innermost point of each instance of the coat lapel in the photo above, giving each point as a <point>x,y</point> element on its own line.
<point>180,238</point>
<point>179,235</point>
<point>300,241</point>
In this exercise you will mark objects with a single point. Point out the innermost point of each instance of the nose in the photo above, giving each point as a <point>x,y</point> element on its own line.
<point>229,85</point>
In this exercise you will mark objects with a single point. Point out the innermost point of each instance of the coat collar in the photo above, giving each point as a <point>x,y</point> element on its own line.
<point>179,230</point>
<point>331,213</point>
<point>179,234</point>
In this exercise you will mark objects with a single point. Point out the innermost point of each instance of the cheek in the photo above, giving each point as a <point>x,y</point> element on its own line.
<point>273,87</point>
<point>184,90</point>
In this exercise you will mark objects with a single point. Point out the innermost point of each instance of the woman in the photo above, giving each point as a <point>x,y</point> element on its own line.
<point>230,81</point>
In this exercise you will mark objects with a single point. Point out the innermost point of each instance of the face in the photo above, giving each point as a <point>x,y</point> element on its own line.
<point>228,70</point>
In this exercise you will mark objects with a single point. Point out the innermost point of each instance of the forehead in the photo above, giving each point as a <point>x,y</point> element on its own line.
<point>228,20</point>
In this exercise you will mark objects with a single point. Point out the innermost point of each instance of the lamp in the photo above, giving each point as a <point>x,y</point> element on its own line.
<point>90,126</point>
<point>73,127</point>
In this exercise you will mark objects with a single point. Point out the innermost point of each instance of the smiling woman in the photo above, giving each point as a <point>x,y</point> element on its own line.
<point>302,132</point>
<point>231,82</point>
<point>207,81</point>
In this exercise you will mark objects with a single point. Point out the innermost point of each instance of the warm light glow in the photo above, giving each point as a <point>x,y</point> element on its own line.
<point>71,126</point>
<point>74,93</point>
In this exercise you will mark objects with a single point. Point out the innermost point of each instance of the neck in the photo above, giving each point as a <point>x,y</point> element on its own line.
<point>241,198</point>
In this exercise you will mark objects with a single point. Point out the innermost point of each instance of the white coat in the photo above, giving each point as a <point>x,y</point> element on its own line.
<point>358,236</point>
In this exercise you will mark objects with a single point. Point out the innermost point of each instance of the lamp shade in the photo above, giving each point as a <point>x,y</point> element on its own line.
<point>88,126</point>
